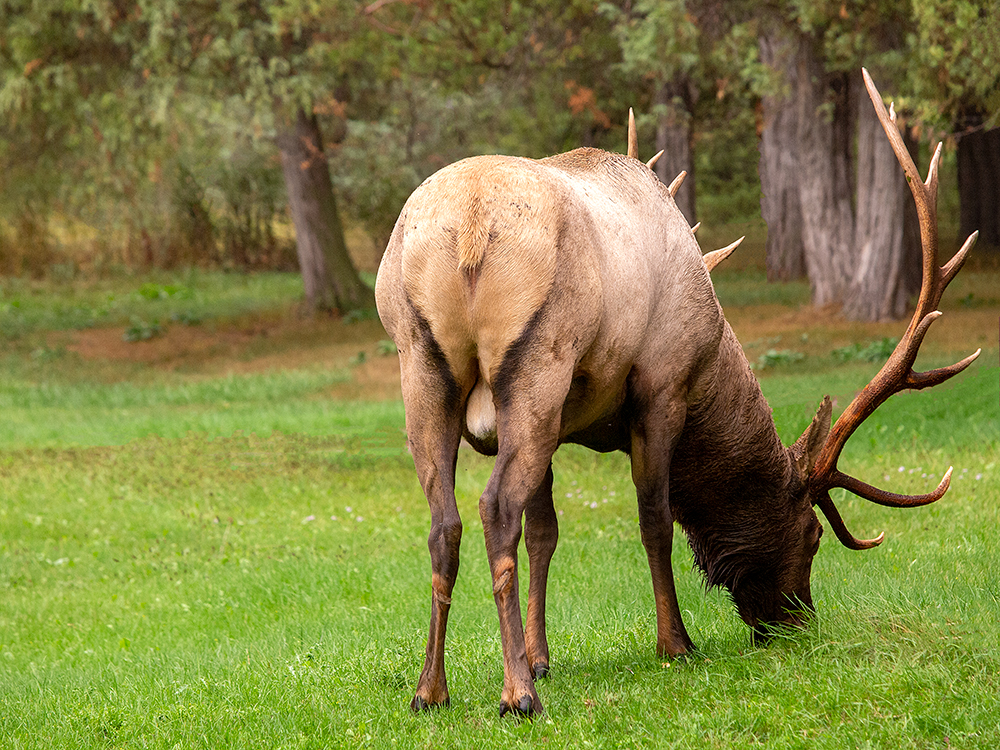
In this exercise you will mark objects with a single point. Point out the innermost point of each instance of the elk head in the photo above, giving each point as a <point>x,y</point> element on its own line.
<point>780,592</point>
<point>761,549</point>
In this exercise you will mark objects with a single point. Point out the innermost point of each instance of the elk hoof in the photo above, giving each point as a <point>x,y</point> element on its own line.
<point>540,670</point>
<point>524,708</point>
<point>419,705</point>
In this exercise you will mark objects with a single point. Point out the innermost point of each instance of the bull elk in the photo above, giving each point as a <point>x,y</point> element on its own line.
<point>565,300</point>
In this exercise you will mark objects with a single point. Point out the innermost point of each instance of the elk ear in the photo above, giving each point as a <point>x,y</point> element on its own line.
<point>806,449</point>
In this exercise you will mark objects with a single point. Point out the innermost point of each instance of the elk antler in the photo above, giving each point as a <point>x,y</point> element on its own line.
<point>676,184</point>
<point>715,257</point>
<point>633,137</point>
<point>897,373</point>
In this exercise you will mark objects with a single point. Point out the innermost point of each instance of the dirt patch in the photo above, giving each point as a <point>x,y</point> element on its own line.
<point>817,331</point>
<point>288,341</point>
<point>258,344</point>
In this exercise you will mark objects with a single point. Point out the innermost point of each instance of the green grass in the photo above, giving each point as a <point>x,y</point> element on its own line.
<point>60,413</point>
<point>743,288</point>
<point>181,298</point>
<point>241,561</point>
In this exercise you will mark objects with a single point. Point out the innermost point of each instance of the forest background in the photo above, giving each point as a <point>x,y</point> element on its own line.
<point>248,135</point>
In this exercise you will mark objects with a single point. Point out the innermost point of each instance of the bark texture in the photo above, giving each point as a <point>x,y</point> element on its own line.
<point>864,256</point>
<point>330,279</point>
<point>779,164</point>
<point>979,184</point>
<point>674,134</point>
<point>883,277</point>
<point>824,135</point>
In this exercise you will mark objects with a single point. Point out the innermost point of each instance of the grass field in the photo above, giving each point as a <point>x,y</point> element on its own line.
<point>215,538</point>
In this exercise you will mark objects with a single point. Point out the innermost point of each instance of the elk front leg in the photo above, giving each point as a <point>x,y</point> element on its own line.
<point>541,532</point>
<point>653,439</point>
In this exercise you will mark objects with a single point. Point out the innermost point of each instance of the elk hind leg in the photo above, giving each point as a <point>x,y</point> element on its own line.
<point>521,474</point>
<point>541,532</point>
<point>434,429</point>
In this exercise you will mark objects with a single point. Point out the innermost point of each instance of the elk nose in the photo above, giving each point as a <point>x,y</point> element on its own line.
<point>799,607</point>
<point>761,635</point>
<point>796,614</point>
<point>764,632</point>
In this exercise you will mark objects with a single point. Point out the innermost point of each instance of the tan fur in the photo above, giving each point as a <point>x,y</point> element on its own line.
<point>454,236</point>
<point>473,235</point>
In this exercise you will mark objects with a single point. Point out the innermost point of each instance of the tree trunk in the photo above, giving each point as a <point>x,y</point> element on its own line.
<point>824,130</point>
<point>778,166</point>
<point>674,135</point>
<point>882,281</point>
<point>979,184</point>
<point>330,279</point>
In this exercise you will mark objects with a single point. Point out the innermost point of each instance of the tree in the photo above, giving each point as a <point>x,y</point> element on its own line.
<point>824,132</point>
<point>780,204</point>
<point>955,76</point>
<point>886,241</point>
<point>979,179</point>
<point>331,282</point>
<point>941,59</point>
<point>75,114</point>
<point>284,59</point>
<point>117,79</point>
<point>660,45</point>
<point>864,258</point>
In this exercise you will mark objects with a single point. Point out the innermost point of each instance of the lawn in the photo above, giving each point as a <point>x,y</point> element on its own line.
<point>215,538</point>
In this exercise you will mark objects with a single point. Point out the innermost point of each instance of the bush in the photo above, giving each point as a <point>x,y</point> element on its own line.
<point>873,351</point>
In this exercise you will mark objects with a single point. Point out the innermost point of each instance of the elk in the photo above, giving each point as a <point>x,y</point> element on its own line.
<point>566,300</point>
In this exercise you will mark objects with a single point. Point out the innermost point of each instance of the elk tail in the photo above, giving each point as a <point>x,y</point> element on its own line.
<point>473,236</point>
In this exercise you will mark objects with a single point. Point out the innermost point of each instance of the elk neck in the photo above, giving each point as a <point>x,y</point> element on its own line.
<point>730,475</point>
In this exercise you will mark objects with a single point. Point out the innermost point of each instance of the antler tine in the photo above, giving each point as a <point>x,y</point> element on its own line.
<point>676,184</point>
<point>897,373</point>
<point>652,162</point>
<point>891,499</point>
<point>889,125</point>
<point>954,265</point>
<point>715,257</point>
<point>925,198</point>
<point>633,138</point>
<point>840,529</point>
<point>918,380</point>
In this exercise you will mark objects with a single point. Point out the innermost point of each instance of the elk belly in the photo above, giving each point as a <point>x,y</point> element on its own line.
<point>480,414</point>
